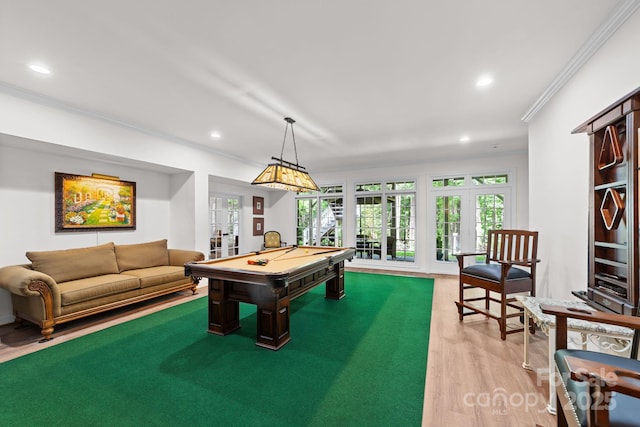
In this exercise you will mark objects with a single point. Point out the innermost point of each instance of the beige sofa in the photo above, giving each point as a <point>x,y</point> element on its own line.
<point>64,285</point>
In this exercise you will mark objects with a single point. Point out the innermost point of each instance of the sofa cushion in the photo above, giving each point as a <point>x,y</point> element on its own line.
<point>153,276</point>
<point>76,291</point>
<point>72,264</point>
<point>142,255</point>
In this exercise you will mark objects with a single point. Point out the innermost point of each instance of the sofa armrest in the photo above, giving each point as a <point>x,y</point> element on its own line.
<point>179,257</point>
<point>17,278</point>
<point>22,281</point>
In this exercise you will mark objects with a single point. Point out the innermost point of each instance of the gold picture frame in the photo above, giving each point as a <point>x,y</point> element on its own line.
<point>94,203</point>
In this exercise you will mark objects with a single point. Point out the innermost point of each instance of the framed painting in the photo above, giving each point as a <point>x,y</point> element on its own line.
<point>94,203</point>
<point>258,226</point>
<point>258,205</point>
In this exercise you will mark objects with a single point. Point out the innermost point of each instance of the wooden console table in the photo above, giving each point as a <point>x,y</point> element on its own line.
<point>618,339</point>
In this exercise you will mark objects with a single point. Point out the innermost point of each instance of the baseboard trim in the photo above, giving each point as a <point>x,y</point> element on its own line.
<point>5,320</point>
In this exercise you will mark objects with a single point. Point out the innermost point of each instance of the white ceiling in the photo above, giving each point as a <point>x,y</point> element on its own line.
<point>369,82</point>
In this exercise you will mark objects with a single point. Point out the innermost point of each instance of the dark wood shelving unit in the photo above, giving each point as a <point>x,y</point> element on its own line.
<point>613,207</point>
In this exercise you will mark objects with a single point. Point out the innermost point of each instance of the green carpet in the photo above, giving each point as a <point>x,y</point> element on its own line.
<point>358,361</point>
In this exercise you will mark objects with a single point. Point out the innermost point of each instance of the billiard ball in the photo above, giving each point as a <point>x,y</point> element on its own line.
<point>306,250</point>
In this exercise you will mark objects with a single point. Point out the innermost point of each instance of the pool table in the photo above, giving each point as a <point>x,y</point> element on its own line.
<point>270,279</point>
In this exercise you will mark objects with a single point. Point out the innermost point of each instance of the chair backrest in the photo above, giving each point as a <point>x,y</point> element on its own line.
<point>503,245</point>
<point>272,239</point>
<point>391,246</point>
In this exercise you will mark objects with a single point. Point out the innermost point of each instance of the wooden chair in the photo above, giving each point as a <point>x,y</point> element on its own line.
<point>509,267</point>
<point>596,389</point>
<point>272,240</point>
<point>391,248</point>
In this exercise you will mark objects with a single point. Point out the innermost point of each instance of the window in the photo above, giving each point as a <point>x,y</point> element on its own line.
<point>489,216</point>
<point>490,179</point>
<point>368,187</point>
<point>385,221</point>
<point>448,182</point>
<point>369,225</point>
<point>319,217</point>
<point>447,227</point>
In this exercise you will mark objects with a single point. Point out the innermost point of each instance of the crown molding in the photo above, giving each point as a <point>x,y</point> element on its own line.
<point>609,26</point>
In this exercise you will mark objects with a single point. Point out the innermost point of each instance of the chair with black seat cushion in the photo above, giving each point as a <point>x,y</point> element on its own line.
<point>508,268</point>
<point>596,389</point>
<point>391,248</point>
<point>272,240</point>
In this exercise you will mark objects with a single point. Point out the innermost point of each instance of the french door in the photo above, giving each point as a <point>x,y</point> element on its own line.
<point>224,214</point>
<point>461,220</point>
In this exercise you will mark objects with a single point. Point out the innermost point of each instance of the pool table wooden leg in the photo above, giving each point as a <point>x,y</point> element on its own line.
<point>273,320</point>
<point>224,315</point>
<point>335,286</point>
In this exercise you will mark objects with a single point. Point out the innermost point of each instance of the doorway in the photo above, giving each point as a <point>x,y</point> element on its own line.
<point>224,215</point>
<point>464,209</point>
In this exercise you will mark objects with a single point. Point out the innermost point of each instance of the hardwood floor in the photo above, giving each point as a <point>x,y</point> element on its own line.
<point>473,377</point>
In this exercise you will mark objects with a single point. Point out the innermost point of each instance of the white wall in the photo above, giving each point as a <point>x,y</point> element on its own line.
<point>59,129</point>
<point>558,160</point>
<point>173,182</point>
<point>182,228</point>
<point>27,192</point>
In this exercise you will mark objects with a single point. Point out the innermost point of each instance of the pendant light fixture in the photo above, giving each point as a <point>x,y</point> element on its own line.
<point>285,175</point>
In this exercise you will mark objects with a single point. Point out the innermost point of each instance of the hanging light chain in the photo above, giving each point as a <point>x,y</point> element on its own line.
<point>289,121</point>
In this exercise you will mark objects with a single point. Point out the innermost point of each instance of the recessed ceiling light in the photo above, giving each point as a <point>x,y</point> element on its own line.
<point>215,135</point>
<point>484,81</point>
<point>39,69</point>
<point>464,138</point>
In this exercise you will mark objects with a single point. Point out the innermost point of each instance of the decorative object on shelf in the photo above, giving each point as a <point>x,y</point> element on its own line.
<point>94,203</point>
<point>285,175</point>
<point>611,208</point>
<point>610,152</point>
<point>258,205</point>
<point>258,226</point>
